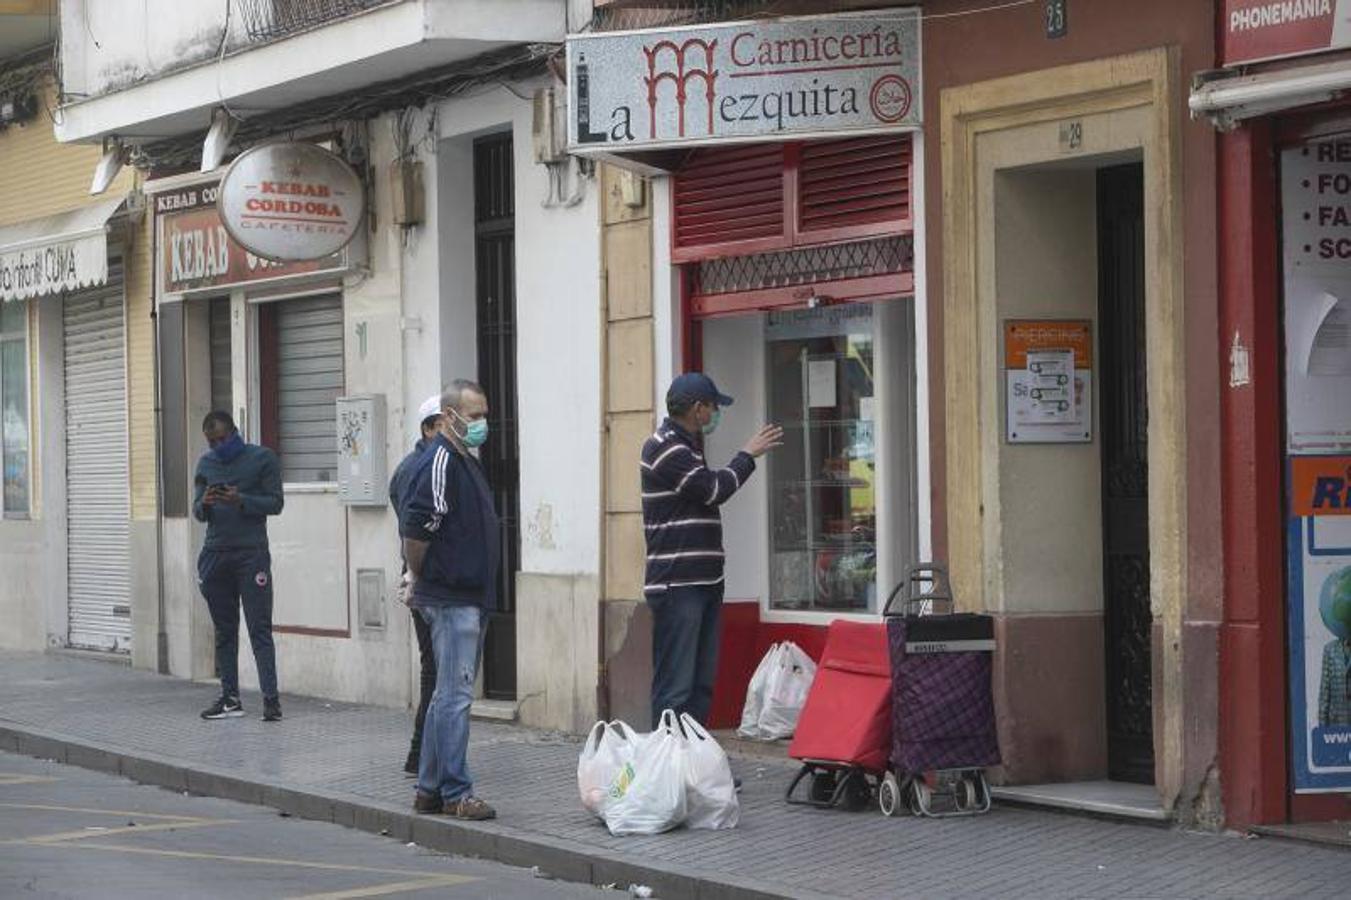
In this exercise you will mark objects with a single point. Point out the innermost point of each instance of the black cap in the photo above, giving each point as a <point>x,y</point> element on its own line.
<point>696,386</point>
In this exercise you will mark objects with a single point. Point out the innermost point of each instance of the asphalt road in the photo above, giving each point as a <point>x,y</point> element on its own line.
<point>67,832</point>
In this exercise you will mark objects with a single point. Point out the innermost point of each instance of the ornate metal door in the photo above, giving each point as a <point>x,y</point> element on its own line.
<point>1125,472</point>
<point>495,265</point>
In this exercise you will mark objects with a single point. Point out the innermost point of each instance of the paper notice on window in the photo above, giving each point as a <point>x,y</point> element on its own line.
<point>1315,224</point>
<point>821,388</point>
<point>865,408</point>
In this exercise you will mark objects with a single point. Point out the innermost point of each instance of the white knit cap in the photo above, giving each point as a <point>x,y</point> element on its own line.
<point>430,407</point>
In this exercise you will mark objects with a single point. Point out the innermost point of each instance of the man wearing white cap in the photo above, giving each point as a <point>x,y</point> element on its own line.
<point>429,418</point>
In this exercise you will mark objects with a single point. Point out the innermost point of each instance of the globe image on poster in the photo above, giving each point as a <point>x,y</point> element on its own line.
<point>1334,603</point>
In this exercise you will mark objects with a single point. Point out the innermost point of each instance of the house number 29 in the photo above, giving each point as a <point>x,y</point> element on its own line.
<point>1057,18</point>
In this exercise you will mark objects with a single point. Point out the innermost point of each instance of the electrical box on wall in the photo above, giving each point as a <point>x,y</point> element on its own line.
<point>361,450</point>
<point>406,193</point>
<point>549,136</point>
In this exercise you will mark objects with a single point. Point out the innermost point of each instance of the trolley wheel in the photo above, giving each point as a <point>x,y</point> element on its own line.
<point>822,787</point>
<point>966,794</point>
<point>889,795</point>
<point>923,797</point>
<point>858,794</point>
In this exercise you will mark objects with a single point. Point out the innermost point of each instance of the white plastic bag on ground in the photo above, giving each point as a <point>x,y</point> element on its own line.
<point>647,795</point>
<point>790,680</point>
<point>710,791</point>
<point>608,748</point>
<point>755,695</point>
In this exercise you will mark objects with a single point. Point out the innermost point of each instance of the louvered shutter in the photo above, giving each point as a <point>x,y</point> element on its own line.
<point>740,201</point>
<point>730,200</point>
<point>309,382</point>
<point>850,188</point>
<point>97,490</point>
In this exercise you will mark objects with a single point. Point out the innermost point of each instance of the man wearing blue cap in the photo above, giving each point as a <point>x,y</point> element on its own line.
<point>684,581</point>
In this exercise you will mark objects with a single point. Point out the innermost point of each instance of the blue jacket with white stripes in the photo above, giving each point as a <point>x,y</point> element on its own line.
<point>448,505</point>
<point>681,496</point>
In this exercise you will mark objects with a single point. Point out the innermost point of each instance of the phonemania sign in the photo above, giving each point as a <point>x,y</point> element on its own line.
<point>1255,30</point>
<point>643,90</point>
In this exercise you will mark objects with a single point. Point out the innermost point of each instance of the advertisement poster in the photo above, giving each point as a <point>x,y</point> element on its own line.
<point>1320,622</point>
<point>1316,203</point>
<point>1048,381</point>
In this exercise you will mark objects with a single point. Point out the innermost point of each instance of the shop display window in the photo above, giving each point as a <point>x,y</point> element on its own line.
<point>14,407</point>
<point>822,497</point>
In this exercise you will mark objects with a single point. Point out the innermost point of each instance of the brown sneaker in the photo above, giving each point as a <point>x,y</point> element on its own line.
<point>429,803</point>
<point>469,807</point>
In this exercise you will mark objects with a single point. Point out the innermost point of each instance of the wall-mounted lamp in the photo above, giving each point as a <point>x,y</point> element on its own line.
<point>114,157</point>
<point>223,126</point>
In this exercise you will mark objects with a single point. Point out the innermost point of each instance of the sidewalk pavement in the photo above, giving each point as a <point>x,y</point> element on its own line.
<point>342,762</point>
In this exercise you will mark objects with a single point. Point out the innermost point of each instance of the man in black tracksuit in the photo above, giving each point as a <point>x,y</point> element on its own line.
<point>429,415</point>
<point>238,486</point>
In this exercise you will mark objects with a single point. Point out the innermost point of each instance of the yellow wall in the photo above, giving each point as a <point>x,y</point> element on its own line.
<point>38,177</point>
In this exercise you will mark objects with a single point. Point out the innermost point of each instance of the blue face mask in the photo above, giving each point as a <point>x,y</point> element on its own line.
<point>712,425</point>
<point>475,432</point>
<point>228,449</point>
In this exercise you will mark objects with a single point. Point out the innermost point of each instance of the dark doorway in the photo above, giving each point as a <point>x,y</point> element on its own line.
<point>1125,472</point>
<point>495,276</point>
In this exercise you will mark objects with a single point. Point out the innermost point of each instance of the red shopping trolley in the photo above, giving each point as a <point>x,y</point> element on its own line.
<point>843,737</point>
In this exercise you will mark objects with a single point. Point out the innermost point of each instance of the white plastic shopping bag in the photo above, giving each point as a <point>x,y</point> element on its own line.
<point>608,748</point>
<point>789,682</point>
<point>647,794</point>
<point>755,695</point>
<point>710,791</point>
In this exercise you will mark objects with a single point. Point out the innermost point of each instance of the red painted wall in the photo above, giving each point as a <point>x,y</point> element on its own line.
<point>1253,744</point>
<point>745,640</point>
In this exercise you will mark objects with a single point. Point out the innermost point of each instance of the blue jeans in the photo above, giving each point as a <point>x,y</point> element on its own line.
<point>457,641</point>
<point>685,632</point>
<point>230,579</point>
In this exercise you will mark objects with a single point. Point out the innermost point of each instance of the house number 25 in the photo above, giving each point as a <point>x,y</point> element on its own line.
<point>1057,18</point>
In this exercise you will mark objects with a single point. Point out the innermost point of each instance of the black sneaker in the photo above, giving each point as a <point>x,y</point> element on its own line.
<point>224,708</point>
<point>271,710</point>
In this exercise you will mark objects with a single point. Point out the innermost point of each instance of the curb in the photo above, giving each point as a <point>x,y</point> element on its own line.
<point>560,859</point>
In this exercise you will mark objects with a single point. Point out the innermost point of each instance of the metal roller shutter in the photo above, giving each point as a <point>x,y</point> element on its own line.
<point>222,384</point>
<point>309,382</point>
<point>97,490</point>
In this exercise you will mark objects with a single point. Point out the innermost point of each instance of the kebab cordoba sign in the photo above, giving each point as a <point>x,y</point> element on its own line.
<point>291,202</point>
<point>642,90</point>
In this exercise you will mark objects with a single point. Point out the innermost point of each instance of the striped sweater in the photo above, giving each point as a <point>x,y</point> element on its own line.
<point>681,496</point>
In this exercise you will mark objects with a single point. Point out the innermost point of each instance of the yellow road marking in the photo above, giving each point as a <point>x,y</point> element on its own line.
<point>107,812</point>
<point>398,887</point>
<point>258,860</point>
<point>26,779</point>
<point>86,833</point>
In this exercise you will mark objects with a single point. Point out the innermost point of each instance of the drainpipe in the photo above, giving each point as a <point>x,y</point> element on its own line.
<point>162,633</point>
<point>602,665</point>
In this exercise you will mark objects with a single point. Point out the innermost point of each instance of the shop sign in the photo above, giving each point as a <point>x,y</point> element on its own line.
<point>1271,29</point>
<point>291,201</point>
<point>1048,380</point>
<point>799,77</point>
<point>51,268</point>
<point>196,250</point>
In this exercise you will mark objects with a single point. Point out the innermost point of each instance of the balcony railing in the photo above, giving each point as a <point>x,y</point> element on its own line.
<point>269,20</point>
